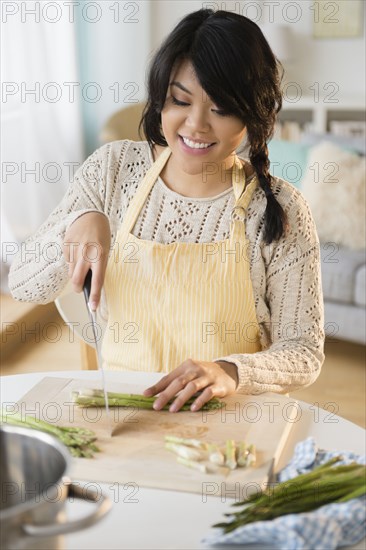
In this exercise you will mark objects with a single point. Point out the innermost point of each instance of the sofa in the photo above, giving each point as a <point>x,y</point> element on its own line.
<point>343,268</point>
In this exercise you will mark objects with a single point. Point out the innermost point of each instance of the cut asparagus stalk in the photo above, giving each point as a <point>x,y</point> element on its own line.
<point>192,464</point>
<point>230,454</point>
<point>252,457</point>
<point>215,455</point>
<point>184,441</point>
<point>242,454</point>
<point>183,451</point>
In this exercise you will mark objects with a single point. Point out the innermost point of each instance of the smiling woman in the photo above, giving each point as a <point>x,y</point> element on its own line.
<point>208,266</point>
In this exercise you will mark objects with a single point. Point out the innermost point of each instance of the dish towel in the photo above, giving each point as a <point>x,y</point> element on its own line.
<point>326,528</point>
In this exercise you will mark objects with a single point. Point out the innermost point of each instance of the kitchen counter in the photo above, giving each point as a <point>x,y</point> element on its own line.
<point>144,518</point>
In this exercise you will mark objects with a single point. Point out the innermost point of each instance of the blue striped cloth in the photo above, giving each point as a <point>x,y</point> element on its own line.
<point>326,528</point>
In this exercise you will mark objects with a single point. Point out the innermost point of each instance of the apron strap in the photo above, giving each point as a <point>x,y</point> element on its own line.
<point>144,189</point>
<point>243,195</point>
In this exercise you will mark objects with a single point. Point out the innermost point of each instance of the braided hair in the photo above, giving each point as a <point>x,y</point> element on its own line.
<point>239,72</point>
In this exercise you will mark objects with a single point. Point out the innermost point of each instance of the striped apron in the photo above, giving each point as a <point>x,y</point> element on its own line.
<point>172,302</point>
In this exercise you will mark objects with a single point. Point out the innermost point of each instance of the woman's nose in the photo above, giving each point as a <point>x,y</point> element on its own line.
<point>197,120</point>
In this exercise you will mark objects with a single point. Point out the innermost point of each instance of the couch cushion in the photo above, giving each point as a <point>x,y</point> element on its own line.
<point>349,143</point>
<point>340,267</point>
<point>288,160</point>
<point>335,187</point>
<point>360,284</point>
<point>344,322</point>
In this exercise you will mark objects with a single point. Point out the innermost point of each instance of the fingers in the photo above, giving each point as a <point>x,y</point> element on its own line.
<point>79,274</point>
<point>96,285</point>
<point>70,257</point>
<point>190,378</point>
<point>169,386</point>
<point>171,391</point>
<point>86,246</point>
<point>190,389</point>
<point>160,386</point>
<point>204,397</point>
<point>163,382</point>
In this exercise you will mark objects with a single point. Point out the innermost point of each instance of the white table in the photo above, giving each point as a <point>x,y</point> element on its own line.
<point>157,519</point>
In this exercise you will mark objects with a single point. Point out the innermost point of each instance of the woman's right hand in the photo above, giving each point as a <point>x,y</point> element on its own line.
<point>86,246</point>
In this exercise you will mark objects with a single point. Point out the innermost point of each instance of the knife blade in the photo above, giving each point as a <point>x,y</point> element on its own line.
<point>93,319</point>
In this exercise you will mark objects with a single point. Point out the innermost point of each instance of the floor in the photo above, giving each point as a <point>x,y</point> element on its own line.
<point>340,388</point>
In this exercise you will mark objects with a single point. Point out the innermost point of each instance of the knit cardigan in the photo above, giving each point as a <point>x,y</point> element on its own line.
<point>285,274</point>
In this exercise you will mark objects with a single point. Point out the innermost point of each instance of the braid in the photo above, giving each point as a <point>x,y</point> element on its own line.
<point>275,219</point>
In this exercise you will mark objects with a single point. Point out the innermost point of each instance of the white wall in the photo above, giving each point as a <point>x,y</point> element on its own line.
<point>113,53</point>
<point>315,60</point>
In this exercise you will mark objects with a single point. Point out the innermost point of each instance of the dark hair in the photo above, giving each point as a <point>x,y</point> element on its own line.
<point>239,72</point>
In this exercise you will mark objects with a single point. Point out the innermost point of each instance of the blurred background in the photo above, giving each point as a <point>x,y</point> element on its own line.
<point>73,77</point>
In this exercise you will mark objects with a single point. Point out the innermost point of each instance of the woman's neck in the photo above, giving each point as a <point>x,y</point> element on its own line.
<point>194,186</point>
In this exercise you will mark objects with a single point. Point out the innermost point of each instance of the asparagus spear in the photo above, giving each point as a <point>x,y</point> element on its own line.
<point>325,484</point>
<point>95,398</point>
<point>79,441</point>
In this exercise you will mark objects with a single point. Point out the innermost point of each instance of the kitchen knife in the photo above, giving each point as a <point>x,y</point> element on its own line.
<point>93,319</point>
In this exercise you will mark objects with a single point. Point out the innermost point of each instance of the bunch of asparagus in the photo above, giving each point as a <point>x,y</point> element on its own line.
<point>324,485</point>
<point>87,397</point>
<point>192,451</point>
<point>79,441</point>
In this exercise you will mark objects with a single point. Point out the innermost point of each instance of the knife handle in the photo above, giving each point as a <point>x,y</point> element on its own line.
<point>87,285</point>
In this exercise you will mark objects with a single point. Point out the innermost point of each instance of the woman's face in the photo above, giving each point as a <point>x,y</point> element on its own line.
<point>195,129</point>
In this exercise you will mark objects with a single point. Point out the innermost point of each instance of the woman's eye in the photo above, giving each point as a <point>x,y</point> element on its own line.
<point>220,112</point>
<point>177,102</point>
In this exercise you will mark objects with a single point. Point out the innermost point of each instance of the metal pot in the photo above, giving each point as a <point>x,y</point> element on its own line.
<point>34,487</point>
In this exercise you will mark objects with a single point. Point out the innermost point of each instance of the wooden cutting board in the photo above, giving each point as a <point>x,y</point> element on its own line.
<point>136,455</point>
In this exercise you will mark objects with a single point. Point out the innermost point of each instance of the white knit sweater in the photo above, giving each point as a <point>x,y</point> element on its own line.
<point>285,275</point>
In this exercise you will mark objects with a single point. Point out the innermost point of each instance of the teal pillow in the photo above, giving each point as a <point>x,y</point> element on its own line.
<point>288,160</point>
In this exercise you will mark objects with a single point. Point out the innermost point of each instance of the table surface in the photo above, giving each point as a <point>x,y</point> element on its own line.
<point>144,518</point>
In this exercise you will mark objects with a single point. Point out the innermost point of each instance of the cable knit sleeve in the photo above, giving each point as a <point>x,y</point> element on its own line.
<point>39,272</point>
<point>291,315</point>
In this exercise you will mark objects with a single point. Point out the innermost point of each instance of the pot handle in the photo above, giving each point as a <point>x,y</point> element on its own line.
<point>103,506</point>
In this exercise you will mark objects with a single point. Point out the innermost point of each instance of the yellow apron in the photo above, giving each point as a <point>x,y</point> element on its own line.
<point>171,302</point>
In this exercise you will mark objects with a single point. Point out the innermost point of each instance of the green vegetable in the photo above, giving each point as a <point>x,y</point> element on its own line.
<point>247,455</point>
<point>79,441</point>
<point>242,454</point>
<point>184,441</point>
<point>95,398</point>
<point>325,484</point>
<point>185,452</point>
<point>230,454</point>
<point>215,454</point>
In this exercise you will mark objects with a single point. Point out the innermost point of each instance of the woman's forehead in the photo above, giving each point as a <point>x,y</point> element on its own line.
<point>183,68</point>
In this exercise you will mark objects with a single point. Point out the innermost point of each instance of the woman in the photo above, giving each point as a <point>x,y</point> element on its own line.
<point>209,265</point>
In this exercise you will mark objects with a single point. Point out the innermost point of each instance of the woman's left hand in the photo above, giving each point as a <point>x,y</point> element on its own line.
<point>212,379</point>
